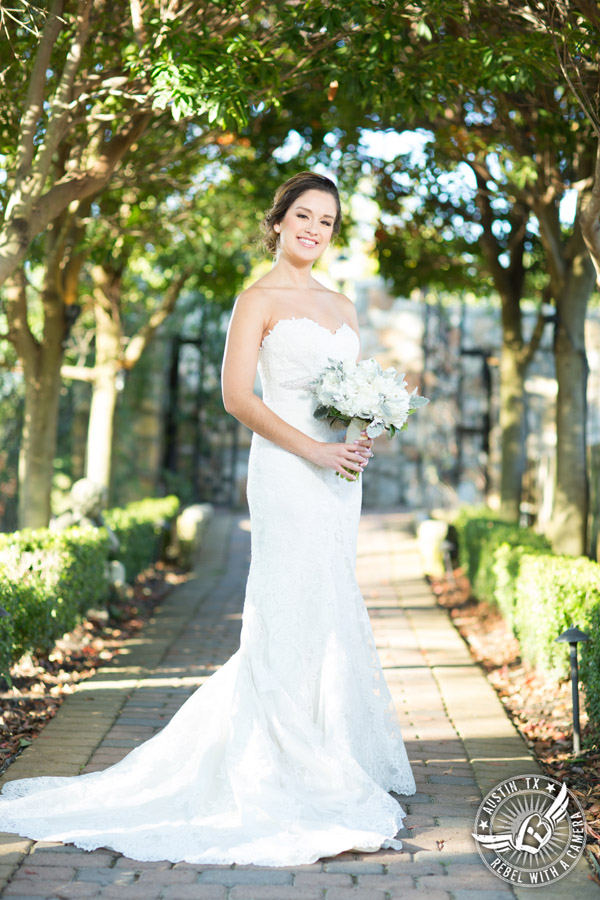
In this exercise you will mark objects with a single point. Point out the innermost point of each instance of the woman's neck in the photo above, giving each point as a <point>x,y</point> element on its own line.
<point>298,275</point>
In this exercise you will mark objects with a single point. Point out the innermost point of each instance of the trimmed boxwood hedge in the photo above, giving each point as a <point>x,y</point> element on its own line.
<point>49,579</point>
<point>480,536</point>
<point>539,594</point>
<point>589,667</point>
<point>139,528</point>
<point>552,594</point>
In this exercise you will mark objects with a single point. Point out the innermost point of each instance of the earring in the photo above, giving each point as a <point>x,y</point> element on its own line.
<point>276,228</point>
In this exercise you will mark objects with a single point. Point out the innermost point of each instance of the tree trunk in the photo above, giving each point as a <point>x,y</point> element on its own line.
<point>568,530</point>
<point>515,356</point>
<point>512,428</point>
<point>104,397</point>
<point>38,441</point>
<point>41,373</point>
<point>111,355</point>
<point>149,420</point>
<point>81,418</point>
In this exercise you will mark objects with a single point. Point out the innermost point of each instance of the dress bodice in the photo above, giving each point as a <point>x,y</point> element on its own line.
<point>293,354</point>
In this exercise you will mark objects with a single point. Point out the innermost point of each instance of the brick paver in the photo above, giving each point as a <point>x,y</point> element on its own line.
<point>458,738</point>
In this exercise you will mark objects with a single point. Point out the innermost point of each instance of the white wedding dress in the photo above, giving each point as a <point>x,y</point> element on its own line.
<point>287,753</point>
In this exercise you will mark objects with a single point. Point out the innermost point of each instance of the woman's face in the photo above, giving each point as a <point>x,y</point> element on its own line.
<point>306,229</point>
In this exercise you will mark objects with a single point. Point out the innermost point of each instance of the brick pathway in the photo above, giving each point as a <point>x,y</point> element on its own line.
<point>458,739</point>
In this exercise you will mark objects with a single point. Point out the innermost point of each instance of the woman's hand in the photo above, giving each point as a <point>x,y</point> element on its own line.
<point>343,457</point>
<point>366,441</point>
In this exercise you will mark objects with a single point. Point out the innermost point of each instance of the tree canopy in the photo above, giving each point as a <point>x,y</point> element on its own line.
<point>127,128</point>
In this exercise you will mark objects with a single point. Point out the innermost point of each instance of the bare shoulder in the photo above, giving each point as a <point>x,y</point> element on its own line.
<point>347,309</point>
<point>252,302</point>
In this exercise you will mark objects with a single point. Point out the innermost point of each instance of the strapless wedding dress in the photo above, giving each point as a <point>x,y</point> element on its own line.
<point>287,753</point>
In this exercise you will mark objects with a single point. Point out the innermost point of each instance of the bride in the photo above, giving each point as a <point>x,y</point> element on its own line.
<point>288,752</point>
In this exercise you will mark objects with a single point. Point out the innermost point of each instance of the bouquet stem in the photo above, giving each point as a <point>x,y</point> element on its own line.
<point>355,427</point>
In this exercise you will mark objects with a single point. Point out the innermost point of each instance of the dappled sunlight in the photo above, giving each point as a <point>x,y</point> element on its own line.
<point>126,684</point>
<point>113,684</point>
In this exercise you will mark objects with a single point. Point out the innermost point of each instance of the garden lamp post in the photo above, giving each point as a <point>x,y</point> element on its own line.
<point>573,636</point>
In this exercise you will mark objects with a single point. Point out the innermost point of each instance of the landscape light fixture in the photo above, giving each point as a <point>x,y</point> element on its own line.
<point>573,636</point>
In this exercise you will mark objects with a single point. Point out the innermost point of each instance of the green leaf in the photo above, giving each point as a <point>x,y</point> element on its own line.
<point>424,31</point>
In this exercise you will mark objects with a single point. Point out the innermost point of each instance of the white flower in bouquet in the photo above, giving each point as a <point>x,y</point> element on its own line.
<point>363,396</point>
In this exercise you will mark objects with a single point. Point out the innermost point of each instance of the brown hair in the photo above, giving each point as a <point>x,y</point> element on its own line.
<point>286,194</point>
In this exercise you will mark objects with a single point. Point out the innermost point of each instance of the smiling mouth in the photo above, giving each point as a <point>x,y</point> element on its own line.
<point>307,242</point>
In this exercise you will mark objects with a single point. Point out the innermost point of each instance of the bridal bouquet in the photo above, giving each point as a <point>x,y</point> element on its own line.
<point>364,397</point>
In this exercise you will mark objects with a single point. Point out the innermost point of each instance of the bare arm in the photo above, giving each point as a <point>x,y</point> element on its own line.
<point>238,373</point>
<point>352,316</point>
<point>240,360</point>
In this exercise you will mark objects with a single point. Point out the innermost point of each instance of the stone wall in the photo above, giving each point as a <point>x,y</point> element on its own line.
<point>450,453</point>
<point>451,450</point>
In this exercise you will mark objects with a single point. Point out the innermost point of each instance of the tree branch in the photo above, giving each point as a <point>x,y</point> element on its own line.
<point>488,241</point>
<point>79,373</point>
<point>550,233</point>
<point>19,332</point>
<point>82,184</point>
<point>35,91</point>
<point>30,215</point>
<point>530,349</point>
<point>518,220</point>
<point>137,22</point>
<point>140,341</point>
<point>590,219</point>
<point>59,113</point>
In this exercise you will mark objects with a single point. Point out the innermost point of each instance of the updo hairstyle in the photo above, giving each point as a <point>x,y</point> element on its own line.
<point>286,194</point>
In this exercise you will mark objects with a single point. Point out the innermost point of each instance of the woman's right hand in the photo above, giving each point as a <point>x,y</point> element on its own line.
<point>341,457</point>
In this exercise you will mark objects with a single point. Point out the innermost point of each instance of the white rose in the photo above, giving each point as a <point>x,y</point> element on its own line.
<point>330,385</point>
<point>395,410</point>
<point>368,368</point>
<point>368,399</point>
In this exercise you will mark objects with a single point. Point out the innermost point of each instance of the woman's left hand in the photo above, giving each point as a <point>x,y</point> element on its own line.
<point>365,441</point>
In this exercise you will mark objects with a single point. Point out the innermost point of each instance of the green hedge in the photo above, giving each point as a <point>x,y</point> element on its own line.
<point>480,537</point>
<point>539,594</point>
<point>139,528</point>
<point>49,579</point>
<point>590,665</point>
<point>551,595</point>
<point>506,561</point>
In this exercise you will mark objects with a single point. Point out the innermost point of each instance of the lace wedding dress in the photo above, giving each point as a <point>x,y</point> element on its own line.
<point>287,753</point>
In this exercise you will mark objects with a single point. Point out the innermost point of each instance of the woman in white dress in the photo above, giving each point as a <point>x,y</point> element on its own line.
<point>288,752</point>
